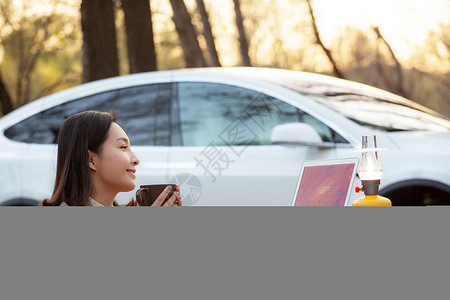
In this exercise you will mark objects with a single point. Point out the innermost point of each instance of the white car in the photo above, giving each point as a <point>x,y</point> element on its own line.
<point>210,130</point>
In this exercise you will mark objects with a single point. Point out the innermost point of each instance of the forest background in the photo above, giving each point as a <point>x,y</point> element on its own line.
<point>50,45</point>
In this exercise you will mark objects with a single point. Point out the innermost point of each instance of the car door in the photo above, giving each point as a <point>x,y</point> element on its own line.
<point>223,155</point>
<point>142,111</point>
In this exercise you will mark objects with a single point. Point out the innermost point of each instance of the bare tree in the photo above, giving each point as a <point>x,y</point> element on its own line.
<point>394,86</point>
<point>28,51</point>
<point>27,65</point>
<point>27,59</point>
<point>319,42</point>
<point>187,34</point>
<point>5,99</point>
<point>207,33</point>
<point>100,59</point>
<point>27,40</point>
<point>243,42</point>
<point>139,29</point>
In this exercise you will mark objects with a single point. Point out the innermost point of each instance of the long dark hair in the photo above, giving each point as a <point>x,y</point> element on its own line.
<point>79,133</point>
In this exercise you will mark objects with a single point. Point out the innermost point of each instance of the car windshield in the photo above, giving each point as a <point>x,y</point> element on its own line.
<point>365,105</point>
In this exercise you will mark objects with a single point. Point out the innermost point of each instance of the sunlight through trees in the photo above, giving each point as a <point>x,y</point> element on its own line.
<point>44,48</point>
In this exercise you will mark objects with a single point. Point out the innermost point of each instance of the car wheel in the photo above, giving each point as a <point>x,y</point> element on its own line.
<point>20,202</point>
<point>418,196</point>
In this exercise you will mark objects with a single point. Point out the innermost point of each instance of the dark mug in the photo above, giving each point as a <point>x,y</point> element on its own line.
<point>146,195</point>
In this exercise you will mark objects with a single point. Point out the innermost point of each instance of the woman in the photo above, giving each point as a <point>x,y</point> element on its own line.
<point>95,162</point>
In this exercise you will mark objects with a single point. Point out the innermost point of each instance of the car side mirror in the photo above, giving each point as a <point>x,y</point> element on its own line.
<point>297,134</point>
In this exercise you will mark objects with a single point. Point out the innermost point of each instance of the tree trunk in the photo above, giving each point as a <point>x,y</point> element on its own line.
<point>243,42</point>
<point>398,86</point>
<point>192,52</point>
<point>207,33</point>
<point>139,29</point>
<point>5,100</point>
<point>100,59</point>
<point>327,52</point>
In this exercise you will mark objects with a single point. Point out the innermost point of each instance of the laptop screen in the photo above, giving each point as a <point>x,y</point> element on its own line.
<point>326,183</point>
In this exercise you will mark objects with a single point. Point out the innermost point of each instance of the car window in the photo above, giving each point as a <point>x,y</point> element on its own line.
<point>382,113</point>
<point>365,105</point>
<point>229,115</point>
<point>142,111</point>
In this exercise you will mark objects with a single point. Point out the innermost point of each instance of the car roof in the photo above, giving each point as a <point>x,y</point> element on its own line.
<point>236,74</point>
<point>275,79</point>
<point>250,77</point>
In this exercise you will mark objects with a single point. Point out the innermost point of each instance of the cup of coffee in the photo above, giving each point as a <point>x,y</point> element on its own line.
<point>146,195</point>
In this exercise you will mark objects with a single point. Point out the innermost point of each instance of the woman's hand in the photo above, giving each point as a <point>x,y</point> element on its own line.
<point>174,200</point>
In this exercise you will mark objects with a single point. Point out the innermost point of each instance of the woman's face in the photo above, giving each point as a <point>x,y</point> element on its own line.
<point>114,167</point>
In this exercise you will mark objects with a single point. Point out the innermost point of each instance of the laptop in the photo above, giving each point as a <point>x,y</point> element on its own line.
<point>326,182</point>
